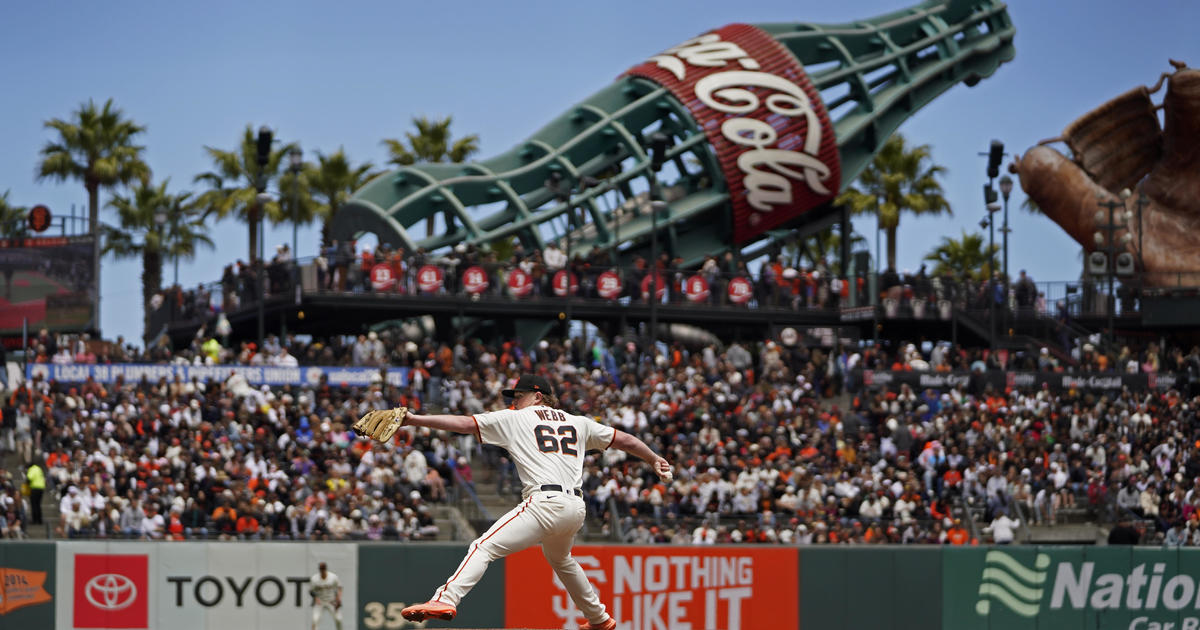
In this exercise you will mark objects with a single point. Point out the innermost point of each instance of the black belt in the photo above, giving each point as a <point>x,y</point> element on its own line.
<point>553,487</point>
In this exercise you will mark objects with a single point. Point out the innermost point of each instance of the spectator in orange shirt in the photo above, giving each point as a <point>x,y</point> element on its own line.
<point>247,525</point>
<point>225,521</point>
<point>957,534</point>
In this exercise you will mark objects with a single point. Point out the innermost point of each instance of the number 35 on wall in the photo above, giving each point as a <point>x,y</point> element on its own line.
<point>380,615</point>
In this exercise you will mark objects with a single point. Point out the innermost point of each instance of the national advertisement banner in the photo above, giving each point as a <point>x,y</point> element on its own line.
<point>27,585</point>
<point>1098,588</point>
<point>653,587</point>
<point>254,374</point>
<point>196,586</point>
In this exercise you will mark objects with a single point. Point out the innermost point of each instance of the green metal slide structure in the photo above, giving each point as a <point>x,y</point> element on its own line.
<point>872,75</point>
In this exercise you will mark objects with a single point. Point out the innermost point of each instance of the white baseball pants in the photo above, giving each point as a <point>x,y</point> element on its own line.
<point>549,518</point>
<point>334,612</point>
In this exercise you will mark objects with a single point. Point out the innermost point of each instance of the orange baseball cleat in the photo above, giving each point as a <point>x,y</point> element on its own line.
<point>607,624</point>
<point>421,612</point>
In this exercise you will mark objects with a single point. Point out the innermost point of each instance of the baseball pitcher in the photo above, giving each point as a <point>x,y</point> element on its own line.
<point>547,445</point>
<point>326,591</point>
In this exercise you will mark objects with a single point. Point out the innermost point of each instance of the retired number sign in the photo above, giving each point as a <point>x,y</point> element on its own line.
<point>560,283</point>
<point>519,282</point>
<point>382,278</point>
<point>608,285</point>
<point>475,280</point>
<point>740,290</point>
<point>696,289</point>
<point>429,279</point>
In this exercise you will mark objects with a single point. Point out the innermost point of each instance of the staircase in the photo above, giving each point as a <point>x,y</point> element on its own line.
<point>11,463</point>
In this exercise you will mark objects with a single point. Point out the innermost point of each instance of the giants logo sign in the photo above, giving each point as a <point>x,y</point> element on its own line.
<point>764,118</point>
<point>111,591</point>
<point>649,588</point>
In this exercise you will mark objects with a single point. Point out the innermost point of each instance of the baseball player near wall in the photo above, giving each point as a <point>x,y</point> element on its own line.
<point>547,445</point>
<point>326,591</point>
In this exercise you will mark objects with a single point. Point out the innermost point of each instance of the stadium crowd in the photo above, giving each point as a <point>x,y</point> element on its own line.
<point>762,453</point>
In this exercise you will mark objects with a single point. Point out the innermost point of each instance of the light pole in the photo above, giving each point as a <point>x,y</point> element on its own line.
<point>563,195</point>
<point>296,159</point>
<point>1006,187</point>
<point>262,157</point>
<point>659,143</point>
<point>160,219</point>
<point>992,205</point>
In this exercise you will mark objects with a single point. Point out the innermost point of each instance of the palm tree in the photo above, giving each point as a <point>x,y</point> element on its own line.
<point>177,231</point>
<point>967,257</point>
<point>332,180</point>
<point>431,143</point>
<point>95,147</point>
<point>13,225</point>
<point>899,179</point>
<point>233,185</point>
<point>13,219</point>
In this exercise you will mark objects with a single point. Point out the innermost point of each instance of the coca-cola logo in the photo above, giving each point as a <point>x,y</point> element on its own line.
<point>110,591</point>
<point>763,116</point>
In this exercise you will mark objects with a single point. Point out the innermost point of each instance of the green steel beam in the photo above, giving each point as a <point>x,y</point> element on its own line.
<point>873,74</point>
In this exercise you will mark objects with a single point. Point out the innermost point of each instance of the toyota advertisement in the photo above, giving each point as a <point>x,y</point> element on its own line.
<point>194,586</point>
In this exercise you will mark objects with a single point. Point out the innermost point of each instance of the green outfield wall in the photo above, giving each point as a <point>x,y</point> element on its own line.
<point>140,585</point>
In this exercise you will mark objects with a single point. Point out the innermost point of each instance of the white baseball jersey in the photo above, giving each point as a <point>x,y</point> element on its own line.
<point>546,444</point>
<point>325,589</point>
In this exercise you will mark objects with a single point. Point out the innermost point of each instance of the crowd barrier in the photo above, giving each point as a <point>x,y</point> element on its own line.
<point>138,585</point>
<point>310,375</point>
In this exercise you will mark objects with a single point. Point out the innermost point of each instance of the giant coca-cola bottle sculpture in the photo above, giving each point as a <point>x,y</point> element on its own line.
<point>766,122</point>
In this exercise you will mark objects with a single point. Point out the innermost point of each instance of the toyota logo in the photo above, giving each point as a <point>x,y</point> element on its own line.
<point>110,591</point>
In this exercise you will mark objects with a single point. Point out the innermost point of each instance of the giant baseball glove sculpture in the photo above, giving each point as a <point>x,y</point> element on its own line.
<point>1119,146</point>
<point>381,424</point>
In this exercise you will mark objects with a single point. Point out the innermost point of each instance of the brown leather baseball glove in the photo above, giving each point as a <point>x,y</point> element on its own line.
<point>381,424</point>
<point>1119,146</point>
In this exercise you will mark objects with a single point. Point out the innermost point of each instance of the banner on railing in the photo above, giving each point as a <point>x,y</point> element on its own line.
<point>254,374</point>
<point>1000,380</point>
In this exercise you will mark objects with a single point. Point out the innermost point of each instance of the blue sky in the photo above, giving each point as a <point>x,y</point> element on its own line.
<point>332,75</point>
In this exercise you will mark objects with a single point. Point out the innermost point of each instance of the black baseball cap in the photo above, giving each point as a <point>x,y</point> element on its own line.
<point>529,383</point>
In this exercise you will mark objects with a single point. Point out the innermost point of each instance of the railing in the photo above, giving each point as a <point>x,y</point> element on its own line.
<point>766,288</point>
<point>466,500</point>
